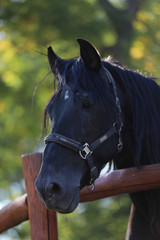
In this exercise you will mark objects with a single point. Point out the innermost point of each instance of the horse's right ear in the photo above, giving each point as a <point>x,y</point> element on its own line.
<point>52,57</point>
<point>89,55</point>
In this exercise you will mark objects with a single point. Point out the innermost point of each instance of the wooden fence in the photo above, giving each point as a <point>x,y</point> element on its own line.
<point>43,223</point>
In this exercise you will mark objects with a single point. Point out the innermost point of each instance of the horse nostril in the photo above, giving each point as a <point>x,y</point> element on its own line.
<point>53,188</point>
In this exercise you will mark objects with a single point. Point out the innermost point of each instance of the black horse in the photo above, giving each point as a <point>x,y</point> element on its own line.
<point>101,112</point>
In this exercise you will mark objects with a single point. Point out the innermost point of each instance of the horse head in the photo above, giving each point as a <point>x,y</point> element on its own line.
<point>86,126</point>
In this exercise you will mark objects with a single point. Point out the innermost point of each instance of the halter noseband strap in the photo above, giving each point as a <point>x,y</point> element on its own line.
<point>86,150</point>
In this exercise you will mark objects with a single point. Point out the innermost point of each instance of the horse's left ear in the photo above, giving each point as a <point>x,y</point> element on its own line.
<point>89,55</point>
<point>52,57</point>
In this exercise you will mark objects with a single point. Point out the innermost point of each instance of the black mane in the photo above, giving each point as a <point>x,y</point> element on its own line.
<point>142,106</point>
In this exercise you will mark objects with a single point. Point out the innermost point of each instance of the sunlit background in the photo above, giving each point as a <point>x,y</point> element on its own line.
<point>125,29</point>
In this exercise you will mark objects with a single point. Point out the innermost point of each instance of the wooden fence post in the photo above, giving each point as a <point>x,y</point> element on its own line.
<point>43,223</point>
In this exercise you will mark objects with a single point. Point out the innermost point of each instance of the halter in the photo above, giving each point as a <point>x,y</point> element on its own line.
<point>86,150</point>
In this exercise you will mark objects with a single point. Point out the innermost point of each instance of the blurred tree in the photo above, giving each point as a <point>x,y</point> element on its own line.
<point>128,30</point>
<point>122,18</point>
<point>103,219</point>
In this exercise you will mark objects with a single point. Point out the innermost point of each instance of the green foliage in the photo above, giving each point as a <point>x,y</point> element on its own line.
<point>26,26</point>
<point>103,219</point>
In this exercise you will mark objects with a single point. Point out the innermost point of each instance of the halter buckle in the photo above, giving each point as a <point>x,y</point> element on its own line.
<point>85,151</point>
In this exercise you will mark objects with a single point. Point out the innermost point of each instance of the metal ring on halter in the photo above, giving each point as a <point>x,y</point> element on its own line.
<point>92,189</point>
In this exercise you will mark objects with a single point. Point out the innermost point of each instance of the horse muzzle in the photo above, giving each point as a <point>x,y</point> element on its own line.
<point>57,197</point>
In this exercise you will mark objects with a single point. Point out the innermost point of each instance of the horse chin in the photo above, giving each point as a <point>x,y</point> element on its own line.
<point>63,206</point>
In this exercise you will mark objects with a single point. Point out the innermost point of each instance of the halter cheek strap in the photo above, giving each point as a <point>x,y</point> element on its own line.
<point>107,75</point>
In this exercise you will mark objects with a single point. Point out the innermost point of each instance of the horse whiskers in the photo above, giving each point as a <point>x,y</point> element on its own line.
<point>40,52</point>
<point>38,84</point>
<point>44,45</point>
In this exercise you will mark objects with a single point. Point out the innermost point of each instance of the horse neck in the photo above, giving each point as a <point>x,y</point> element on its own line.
<point>141,141</point>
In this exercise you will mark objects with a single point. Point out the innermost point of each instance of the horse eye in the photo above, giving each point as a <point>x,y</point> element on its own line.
<point>85,101</point>
<point>86,106</point>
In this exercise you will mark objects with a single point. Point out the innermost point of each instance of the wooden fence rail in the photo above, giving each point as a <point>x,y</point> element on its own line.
<point>14,213</point>
<point>43,223</point>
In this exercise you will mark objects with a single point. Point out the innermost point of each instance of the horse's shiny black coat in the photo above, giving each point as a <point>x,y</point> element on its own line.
<point>84,108</point>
